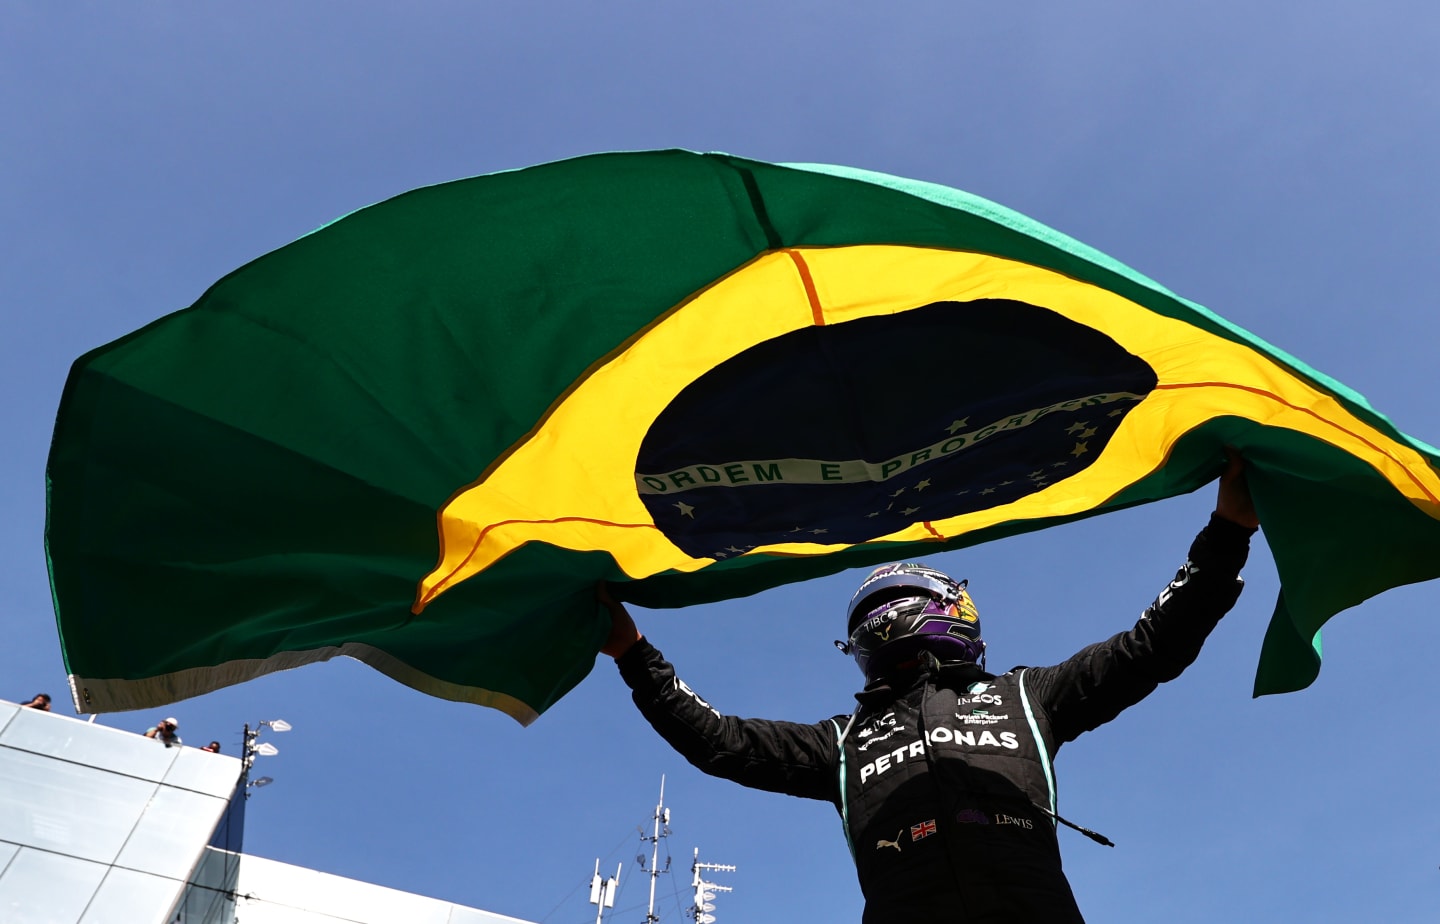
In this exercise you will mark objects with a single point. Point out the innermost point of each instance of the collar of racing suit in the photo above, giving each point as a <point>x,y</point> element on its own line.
<point>886,690</point>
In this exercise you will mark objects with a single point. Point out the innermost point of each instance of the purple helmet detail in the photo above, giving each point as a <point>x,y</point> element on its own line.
<point>903,609</point>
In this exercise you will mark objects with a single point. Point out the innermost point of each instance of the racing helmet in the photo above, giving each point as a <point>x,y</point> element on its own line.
<point>903,609</point>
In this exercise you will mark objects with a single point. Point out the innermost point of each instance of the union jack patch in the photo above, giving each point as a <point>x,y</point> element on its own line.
<point>923,829</point>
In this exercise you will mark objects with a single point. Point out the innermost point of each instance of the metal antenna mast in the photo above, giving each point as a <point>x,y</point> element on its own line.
<point>662,829</point>
<point>602,891</point>
<point>705,891</point>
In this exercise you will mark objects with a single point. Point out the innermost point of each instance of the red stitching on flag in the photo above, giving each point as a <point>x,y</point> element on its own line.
<point>1305,410</point>
<point>816,312</point>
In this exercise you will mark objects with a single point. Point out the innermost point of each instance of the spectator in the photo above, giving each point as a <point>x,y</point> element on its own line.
<point>213,747</point>
<point>41,702</point>
<point>165,732</point>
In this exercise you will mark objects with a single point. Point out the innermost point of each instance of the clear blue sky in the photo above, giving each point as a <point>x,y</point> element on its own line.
<point>1274,162</point>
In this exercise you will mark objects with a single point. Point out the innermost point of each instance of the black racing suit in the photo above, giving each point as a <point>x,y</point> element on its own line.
<point>944,778</point>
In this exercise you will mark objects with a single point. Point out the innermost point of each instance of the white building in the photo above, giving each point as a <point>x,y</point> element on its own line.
<point>102,826</point>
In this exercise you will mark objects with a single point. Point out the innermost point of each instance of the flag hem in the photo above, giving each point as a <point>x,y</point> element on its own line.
<point>118,694</point>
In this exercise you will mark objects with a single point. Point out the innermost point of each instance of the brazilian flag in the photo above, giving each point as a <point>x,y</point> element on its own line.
<point>421,434</point>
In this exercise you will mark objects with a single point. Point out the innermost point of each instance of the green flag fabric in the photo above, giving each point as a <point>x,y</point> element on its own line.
<point>421,434</point>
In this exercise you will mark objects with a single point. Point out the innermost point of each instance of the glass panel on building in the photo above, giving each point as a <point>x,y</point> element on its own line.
<point>7,712</point>
<point>39,887</point>
<point>68,808</point>
<point>85,743</point>
<point>210,895</point>
<point>130,897</point>
<point>201,771</point>
<point>171,835</point>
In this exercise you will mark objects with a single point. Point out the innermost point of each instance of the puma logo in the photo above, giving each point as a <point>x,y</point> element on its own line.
<point>895,843</point>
